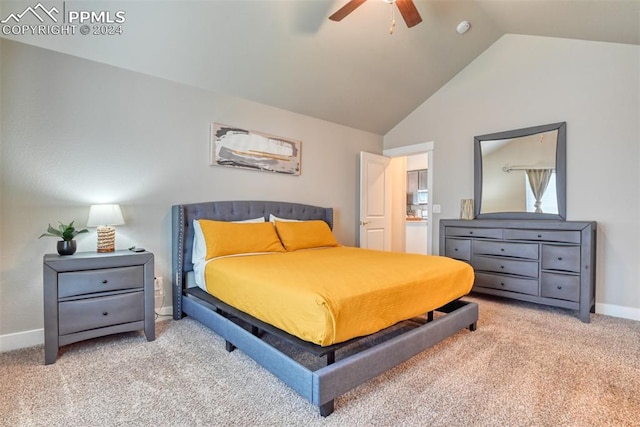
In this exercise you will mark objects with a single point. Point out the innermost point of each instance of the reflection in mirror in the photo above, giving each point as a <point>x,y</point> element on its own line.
<point>520,174</point>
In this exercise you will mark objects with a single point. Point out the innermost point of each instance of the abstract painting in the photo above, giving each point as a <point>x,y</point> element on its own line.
<point>241,148</point>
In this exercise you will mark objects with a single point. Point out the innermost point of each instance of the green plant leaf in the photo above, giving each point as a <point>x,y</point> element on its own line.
<point>64,231</point>
<point>54,231</point>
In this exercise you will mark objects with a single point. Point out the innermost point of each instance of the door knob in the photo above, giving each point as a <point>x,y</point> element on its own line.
<point>365,222</point>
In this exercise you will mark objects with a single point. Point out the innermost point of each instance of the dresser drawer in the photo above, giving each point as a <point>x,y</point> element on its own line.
<point>101,280</point>
<point>488,233</point>
<point>560,286</point>
<point>92,313</point>
<point>543,235</point>
<point>506,266</point>
<point>512,284</point>
<point>564,258</point>
<point>458,249</point>
<point>515,250</point>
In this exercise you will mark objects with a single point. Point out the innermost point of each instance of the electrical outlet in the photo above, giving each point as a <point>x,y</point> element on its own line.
<point>157,284</point>
<point>436,208</point>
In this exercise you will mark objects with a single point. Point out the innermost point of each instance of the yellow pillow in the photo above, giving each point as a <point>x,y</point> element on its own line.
<point>305,235</point>
<point>230,238</point>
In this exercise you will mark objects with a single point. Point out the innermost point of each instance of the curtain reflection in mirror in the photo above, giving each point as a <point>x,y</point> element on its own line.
<point>538,180</point>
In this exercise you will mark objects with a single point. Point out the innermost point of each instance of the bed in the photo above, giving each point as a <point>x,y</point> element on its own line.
<point>251,330</point>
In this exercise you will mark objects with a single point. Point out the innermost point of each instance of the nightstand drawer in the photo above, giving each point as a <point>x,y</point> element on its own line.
<point>92,313</point>
<point>101,280</point>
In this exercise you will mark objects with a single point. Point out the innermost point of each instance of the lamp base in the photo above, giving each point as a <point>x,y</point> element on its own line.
<point>106,239</point>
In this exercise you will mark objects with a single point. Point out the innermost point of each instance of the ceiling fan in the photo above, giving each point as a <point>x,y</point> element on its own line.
<point>407,10</point>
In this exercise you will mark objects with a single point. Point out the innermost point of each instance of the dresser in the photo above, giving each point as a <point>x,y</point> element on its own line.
<point>91,294</point>
<point>541,261</point>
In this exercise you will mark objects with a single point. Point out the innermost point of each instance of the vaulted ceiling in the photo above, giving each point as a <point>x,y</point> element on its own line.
<point>288,54</point>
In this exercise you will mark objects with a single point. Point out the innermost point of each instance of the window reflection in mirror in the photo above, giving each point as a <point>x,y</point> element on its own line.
<point>509,171</point>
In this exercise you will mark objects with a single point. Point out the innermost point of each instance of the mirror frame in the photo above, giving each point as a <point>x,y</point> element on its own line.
<point>561,172</point>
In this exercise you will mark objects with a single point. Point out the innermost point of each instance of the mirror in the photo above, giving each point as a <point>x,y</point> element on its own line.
<point>521,174</point>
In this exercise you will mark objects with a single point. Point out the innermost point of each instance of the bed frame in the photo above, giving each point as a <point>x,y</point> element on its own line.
<point>318,386</point>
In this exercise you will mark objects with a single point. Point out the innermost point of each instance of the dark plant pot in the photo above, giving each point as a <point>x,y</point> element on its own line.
<point>67,247</point>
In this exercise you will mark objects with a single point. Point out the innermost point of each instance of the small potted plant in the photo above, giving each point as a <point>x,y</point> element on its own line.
<point>66,232</point>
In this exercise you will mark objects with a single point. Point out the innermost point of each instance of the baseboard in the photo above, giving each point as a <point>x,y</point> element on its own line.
<point>19,340</point>
<point>618,311</point>
<point>35,337</point>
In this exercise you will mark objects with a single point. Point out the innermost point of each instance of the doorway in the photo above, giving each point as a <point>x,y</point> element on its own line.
<point>399,224</point>
<point>416,203</point>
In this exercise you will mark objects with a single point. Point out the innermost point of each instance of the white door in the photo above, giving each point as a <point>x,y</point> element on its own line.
<point>375,202</point>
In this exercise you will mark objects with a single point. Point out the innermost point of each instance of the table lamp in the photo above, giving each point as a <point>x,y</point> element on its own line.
<point>104,217</point>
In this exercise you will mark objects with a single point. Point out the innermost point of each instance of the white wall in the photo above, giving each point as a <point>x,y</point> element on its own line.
<point>523,81</point>
<point>76,132</point>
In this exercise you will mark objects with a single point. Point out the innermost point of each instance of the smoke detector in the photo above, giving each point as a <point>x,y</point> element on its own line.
<point>463,27</point>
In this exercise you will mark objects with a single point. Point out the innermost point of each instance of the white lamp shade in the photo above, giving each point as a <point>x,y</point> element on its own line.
<point>104,215</point>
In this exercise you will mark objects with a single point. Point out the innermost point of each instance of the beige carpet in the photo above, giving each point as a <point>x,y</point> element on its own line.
<point>526,365</point>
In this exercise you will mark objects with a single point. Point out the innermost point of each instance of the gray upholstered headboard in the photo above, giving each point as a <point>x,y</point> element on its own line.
<point>182,217</point>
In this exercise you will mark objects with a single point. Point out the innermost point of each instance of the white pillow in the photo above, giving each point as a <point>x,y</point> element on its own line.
<point>199,252</point>
<point>273,219</point>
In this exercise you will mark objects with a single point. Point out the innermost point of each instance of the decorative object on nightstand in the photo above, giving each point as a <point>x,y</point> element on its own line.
<point>66,232</point>
<point>105,217</point>
<point>91,295</point>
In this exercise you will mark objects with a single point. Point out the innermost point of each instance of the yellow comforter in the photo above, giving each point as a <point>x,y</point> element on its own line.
<point>331,295</point>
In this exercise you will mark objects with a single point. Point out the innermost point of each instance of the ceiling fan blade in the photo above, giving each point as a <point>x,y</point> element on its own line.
<point>346,9</point>
<point>409,12</point>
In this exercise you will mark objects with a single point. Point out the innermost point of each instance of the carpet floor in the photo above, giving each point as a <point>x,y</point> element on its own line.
<point>526,365</point>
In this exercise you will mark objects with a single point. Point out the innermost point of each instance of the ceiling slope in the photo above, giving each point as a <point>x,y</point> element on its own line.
<point>288,54</point>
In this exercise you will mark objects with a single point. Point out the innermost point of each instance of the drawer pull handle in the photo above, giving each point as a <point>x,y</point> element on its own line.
<point>559,287</point>
<point>502,266</point>
<point>455,249</point>
<point>105,281</point>
<point>105,313</point>
<point>539,236</point>
<point>501,249</point>
<point>501,284</point>
<point>471,232</point>
<point>559,258</point>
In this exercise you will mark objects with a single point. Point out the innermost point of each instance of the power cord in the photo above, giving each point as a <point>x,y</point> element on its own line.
<point>158,315</point>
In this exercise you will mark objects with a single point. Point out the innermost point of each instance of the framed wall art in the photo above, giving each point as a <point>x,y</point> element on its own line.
<point>241,148</point>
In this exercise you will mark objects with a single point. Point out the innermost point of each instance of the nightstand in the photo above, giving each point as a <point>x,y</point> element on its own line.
<point>89,295</point>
